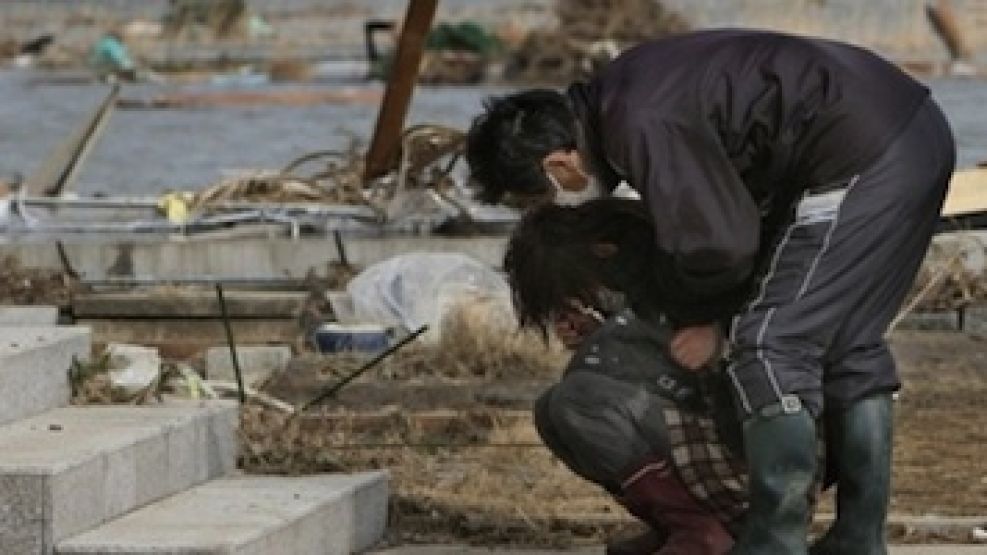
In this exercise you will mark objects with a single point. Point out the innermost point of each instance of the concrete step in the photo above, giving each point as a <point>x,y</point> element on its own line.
<point>28,315</point>
<point>329,513</point>
<point>73,468</point>
<point>34,365</point>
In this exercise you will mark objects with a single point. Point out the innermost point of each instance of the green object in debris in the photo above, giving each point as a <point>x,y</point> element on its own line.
<point>467,36</point>
<point>110,56</point>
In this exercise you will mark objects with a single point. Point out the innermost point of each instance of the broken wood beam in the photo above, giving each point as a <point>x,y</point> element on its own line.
<point>400,86</point>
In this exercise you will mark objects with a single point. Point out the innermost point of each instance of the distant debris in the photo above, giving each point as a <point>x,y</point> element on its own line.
<point>111,60</point>
<point>37,45</point>
<point>946,24</point>
<point>25,53</point>
<point>222,18</point>
<point>590,34</point>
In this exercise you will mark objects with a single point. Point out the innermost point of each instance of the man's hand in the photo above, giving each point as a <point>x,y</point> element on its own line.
<point>695,347</point>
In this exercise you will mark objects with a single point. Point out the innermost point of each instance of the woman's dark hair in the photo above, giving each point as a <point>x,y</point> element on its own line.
<point>506,144</point>
<point>562,253</point>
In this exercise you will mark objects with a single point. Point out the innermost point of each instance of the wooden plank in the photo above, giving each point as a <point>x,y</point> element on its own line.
<point>60,167</point>
<point>967,193</point>
<point>400,86</point>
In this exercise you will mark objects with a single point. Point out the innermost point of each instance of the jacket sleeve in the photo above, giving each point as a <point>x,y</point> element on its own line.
<point>707,225</point>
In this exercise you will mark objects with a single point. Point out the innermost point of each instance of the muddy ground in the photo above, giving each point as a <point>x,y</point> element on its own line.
<point>467,465</point>
<point>451,422</point>
<point>940,462</point>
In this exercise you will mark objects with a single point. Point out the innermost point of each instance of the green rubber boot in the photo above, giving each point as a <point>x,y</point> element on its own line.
<point>781,457</point>
<point>861,439</point>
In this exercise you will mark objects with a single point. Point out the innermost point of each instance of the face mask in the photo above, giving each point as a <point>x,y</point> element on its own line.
<point>564,197</point>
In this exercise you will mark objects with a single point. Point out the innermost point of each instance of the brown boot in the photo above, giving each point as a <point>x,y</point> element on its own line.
<point>655,494</point>
<point>643,543</point>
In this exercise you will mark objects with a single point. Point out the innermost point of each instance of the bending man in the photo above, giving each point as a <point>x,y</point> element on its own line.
<point>794,185</point>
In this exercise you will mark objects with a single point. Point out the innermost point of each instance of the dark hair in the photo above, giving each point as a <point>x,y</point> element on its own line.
<point>506,143</point>
<point>554,256</point>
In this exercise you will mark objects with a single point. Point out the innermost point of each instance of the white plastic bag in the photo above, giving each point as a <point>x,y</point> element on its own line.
<point>416,289</point>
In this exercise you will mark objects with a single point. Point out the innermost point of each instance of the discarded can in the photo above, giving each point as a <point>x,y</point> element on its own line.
<point>336,338</point>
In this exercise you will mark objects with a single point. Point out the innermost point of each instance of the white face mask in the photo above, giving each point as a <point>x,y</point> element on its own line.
<point>564,197</point>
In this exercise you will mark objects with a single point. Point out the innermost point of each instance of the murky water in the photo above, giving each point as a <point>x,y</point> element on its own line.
<point>144,152</point>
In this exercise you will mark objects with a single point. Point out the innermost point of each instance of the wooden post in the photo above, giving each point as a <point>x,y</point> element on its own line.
<point>947,25</point>
<point>400,85</point>
<point>62,164</point>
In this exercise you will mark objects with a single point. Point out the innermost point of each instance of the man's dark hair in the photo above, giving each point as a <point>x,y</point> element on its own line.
<point>506,143</point>
<point>562,253</point>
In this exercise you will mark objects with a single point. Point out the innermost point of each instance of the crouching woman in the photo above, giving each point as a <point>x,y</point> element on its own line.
<point>664,441</point>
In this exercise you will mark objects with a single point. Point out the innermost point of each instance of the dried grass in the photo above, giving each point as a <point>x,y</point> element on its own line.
<point>498,486</point>
<point>477,342</point>
<point>945,281</point>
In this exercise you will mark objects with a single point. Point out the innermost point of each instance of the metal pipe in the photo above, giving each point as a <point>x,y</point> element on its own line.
<point>229,340</point>
<point>356,373</point>
<point>337,237</point>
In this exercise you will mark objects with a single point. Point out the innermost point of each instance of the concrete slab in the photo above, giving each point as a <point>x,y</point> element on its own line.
<point>250,256</point>
<point>201,333</point>
<point>332,513</point>
<point>188,303</point>
<point>28,315</point>
<point>73,468</point>
<point>257,362</point>
<point>34,365</point>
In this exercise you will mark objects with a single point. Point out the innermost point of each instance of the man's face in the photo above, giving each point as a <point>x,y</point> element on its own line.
<point>571,184</point>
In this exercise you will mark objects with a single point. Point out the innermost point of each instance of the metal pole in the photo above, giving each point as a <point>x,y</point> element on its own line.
<point>356,373</point>
<point>340,248</point>
<point>229,340</point>
<point>400,85</point>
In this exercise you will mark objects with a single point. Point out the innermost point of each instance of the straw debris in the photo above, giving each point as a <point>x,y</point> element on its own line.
<point>32,286</point>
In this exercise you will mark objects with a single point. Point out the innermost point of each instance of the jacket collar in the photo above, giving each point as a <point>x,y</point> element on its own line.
<point>584,103</point>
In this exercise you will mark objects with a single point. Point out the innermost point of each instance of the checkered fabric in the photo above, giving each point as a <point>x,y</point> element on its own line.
<point>711,472</point>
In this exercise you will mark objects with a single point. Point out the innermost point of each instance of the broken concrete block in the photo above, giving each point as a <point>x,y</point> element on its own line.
<point>257,362</point>
<point>133,368</point>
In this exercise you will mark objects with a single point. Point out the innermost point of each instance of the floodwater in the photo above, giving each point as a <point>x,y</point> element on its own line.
<point>148,151</point>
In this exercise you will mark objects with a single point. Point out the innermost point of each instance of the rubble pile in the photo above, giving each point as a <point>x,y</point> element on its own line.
<point>426,158</point>
<point>951,278</point>
<point>590,33</point>
<point>32,286</point>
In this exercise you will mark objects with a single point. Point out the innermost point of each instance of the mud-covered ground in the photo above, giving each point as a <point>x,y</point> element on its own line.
<point>467,465</point>
<point>940,464</point>
<point>452,423</point>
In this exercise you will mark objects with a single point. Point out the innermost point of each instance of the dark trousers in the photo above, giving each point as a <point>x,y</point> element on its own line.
<point>813,334</point>
<point>601,427</point>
